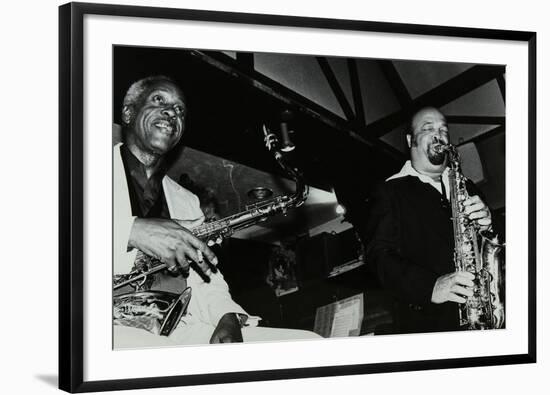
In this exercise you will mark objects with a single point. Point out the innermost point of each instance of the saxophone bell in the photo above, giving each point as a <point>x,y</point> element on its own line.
<point>155,311</point>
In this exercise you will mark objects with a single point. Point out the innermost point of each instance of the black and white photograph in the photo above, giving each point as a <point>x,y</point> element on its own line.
<point>262,197</point>
<point>275,197</point>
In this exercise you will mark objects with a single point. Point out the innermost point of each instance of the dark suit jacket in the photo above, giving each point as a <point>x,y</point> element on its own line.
<point>409,244</point>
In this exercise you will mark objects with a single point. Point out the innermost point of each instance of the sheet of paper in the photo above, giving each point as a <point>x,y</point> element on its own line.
<point>344,320</point>
<point>341,318</point>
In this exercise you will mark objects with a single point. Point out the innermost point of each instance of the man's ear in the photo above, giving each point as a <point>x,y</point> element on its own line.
<point>126,114</point>
<point>409,137</point>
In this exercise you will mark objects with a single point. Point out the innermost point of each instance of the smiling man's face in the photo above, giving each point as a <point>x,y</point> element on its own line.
<point>429,131</point>
<point>159,118</point>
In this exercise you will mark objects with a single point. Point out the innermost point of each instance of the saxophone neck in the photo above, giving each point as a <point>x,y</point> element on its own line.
<point>302,190</point>
<point>257,212</point>
<point>453,157</point>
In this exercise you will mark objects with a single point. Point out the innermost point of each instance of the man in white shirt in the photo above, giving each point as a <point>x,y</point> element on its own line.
<point>153,214</point>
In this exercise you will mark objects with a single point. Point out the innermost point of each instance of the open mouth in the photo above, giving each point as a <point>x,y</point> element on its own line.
<point>164,126</point>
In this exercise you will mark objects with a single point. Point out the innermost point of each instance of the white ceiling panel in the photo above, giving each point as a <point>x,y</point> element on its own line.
<point>302,74</point>
<point>464,132</point>
<point>485,100</point>
<point>232,54</point>
<point>421,77</point>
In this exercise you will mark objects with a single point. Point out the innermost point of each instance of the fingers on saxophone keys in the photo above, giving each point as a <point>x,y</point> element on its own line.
<point>205,264</point>
<point>210,262</point>
<point>205,252</point>
<point>465,275</point>
<point>172,265</point>
<point>480,214</point>
<point>465,279</point>
<point>475,208</point>
<point>200,272</point>
<point>461,291</point>
<point>456,298</point>
<point>183,262</point>
<point>470,200</point>
<point>485,223</point>
<point>197,263</point>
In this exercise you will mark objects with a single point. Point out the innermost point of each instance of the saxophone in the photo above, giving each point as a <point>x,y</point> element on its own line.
<point>159,311</point>
<point>477,252</point>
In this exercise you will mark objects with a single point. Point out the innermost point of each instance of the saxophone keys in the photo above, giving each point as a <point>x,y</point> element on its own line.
<point>466,248</point>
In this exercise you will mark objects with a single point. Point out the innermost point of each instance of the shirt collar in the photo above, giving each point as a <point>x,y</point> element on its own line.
<point>137,169</point>
<point>409,170</point>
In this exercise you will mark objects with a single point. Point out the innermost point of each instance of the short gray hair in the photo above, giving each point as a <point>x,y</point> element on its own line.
<point>138,88</point>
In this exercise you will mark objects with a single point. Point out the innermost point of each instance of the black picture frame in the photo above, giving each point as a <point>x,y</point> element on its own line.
<point>71,195</point>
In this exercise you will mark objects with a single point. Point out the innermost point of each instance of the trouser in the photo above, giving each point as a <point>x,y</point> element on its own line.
<point>200,333</point>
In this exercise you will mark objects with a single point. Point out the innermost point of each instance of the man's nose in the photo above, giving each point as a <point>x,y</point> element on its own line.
<point>439,138</point>
<point>441,135</point>
<point>169,112</point>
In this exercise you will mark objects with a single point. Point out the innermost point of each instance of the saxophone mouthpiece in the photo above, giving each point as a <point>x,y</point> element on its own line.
<point>442,148</point>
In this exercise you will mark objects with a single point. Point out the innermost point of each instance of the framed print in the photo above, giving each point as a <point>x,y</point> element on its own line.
<point>330,197</point>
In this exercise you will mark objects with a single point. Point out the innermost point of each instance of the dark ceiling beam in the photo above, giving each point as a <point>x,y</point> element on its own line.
<point>336,88</point>
<point>356,92</point>
<point>454,88</point>
<point>475,119</point>
<point>396,83</point>
<point>228,65</point>
<point>502,86</point>
<point>246,60</point>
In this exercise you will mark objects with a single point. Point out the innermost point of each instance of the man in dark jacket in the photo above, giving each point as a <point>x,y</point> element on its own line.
<point>409,233</point>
